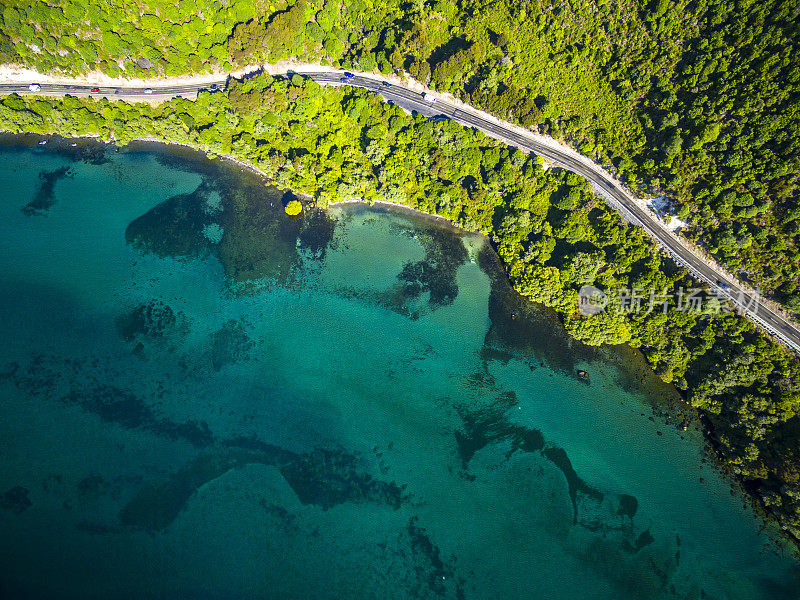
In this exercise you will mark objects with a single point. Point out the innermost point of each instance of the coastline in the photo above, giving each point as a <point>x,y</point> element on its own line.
<point>149,143</point>
<point>17,74</point>
<point>11,138</point>
<point>403,207</point>
<point>623,357</point>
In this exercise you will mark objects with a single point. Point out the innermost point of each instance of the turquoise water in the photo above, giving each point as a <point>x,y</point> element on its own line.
<point>203,398</point>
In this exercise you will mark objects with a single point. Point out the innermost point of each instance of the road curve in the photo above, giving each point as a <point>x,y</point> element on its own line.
<point>746,301</point>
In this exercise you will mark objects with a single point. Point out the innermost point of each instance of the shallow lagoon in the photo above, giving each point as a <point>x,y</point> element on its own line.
<point>203,398</point>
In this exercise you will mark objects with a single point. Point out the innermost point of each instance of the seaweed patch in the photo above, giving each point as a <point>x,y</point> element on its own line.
<point>16,500</point>
<point>153,320</point>
<point>122,407</point>
<point>324,478</point>
<point>45,196</point>
<point>330,477</point>
<point>229,344</point>
<point>436,274</point>
<point>489,425</point>
<point>433,572</point>
<point>558,456</point>
<point>48,377</point>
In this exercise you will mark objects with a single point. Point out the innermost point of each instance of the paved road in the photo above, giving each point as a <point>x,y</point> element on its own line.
<point>615,194</point>
<point>110,92</point>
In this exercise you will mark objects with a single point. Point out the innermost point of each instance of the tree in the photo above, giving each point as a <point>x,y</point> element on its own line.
<point>420,70</point>
<point>293,208</point>
<point>603,328</point>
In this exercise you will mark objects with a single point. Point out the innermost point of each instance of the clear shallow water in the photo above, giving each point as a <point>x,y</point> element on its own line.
<point>202,398</point>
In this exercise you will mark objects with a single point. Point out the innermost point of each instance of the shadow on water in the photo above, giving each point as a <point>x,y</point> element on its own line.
<point>236,217</point>
<point>533,333</point>
<point>316,236</point>
<point>86,150</point>
<point>521,328</point>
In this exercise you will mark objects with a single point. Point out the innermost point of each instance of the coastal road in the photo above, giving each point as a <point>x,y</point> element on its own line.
<point>111,92</point>
<point>746,301</point>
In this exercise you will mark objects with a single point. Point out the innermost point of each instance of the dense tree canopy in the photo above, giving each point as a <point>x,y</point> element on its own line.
<point>697,99</point>
<point>552,232</point>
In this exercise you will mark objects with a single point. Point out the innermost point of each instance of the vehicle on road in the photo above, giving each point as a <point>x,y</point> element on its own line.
<point>724,286</point>
<point>386,84</point>
<point>34,87</point>
<point>428,97</point>
<point>343,79</point>
<point>148,91</point>
<point>95,90</point>
<point>213,87</point>
<point>348,74</point>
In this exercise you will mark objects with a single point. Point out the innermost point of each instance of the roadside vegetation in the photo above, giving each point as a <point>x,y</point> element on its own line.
<point>552,232</point>
<point>695,99</point>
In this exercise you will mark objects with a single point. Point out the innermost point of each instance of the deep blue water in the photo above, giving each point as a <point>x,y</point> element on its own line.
<point>201,397</point>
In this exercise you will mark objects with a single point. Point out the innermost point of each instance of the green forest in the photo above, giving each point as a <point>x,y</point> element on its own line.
<point>696,100</point>
<point>549,227</point>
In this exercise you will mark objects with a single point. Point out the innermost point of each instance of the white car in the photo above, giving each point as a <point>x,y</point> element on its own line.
<point>428,97</point>
<point>148,91</point>
<point>34,87</point>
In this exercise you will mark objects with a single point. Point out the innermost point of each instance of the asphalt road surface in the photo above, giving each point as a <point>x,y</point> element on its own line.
<point>747,303</point>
